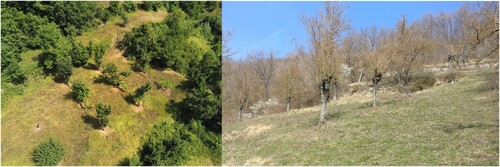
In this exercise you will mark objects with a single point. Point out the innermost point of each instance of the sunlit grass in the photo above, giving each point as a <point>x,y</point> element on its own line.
<point>451,124</point>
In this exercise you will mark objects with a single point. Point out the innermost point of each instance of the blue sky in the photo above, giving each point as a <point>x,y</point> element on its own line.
<point>272,25</point>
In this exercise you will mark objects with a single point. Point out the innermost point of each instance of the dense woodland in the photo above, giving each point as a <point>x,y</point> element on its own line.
<point>52,28</point>
<point>339,60</point>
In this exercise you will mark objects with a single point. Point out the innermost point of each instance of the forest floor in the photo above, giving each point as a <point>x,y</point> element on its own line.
<point>449,124</point>
<point>51,106</point>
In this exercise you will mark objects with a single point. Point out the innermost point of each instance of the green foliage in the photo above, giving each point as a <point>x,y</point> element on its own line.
<point>14,74</point>
<point>111,74</point>
<point>129,6</point>
<point>58,63</point>
<point>102,114</point>
<point>115,8</point>
<point>131,161</point>
<point>48,153</point>
<point>165,45</point>
<point>193,8</point>
<point>99,51</point>
<point>125,73</point>
<point>203,99</point>
<point>80,90</point>
<point>78,15</point>
<point>169,144</point>
<point>202,104</point>
<point>211,140</point>
<point>80,54</point>
<point>150,5</point>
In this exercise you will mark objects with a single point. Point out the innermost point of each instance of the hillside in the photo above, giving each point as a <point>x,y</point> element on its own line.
<point>41,101</point>
<point>449,124</point>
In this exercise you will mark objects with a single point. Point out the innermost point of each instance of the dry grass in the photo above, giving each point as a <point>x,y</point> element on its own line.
<point>452,124</point>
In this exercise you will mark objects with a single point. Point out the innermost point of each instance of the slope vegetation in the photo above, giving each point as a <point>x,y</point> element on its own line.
<point>450,124</point>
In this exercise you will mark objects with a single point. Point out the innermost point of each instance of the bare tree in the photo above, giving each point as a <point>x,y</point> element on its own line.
<point>325,30</point>
<point>411,46</point>
<point>227,50</point>
<point>289,77</point>
<point>243,88</point>
<point>264,65</point>
<point>483,25</point>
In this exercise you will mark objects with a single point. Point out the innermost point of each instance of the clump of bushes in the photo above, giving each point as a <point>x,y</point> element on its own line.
<point>422,82</point>
<point>169,144</point>
<point>48,153</point>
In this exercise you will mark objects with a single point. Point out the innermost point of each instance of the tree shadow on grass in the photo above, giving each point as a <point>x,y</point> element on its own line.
<point>459,126</point>
<point>90,66</point>
<point>68,96</point>
<point>94,122</point>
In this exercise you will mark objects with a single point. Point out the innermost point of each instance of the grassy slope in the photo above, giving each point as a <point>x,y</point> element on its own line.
<point>453,124</point>
<point>49,104</point>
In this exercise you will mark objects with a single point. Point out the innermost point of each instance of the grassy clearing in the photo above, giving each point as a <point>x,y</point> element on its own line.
<point>451,124</point>
<point>51,105</point>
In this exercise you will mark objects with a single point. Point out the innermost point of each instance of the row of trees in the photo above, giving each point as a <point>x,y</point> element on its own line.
<point>337,55</point>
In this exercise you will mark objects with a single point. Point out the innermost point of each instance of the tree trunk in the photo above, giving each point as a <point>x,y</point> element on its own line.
<point>374,97</point>
<point>375,80</point>
<point>325,95</point>
<point>240,113</point>
<point>266,87</point>
<point>288,103</point>
<point>335,90</point>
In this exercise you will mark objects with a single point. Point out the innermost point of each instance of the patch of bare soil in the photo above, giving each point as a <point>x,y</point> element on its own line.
<point>37,129</point>
<point>97,72</point>
<point>171,72</point>
<point>138,108</point>
<point>63,86</point>
<point>167,92</point>
<point>113,89</point>
<point>107,130</point>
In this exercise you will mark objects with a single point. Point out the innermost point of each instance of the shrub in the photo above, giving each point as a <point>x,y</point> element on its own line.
<point>423,82</point>
<point>14,74</point>
<point>80,55</point>
<point>80,90</point>
<point>111,74</point>
<point>99,51</point>
<point>129,6</point>
<point>125,73</point>
<point>48,153</point>
<point>130,161</point>
<point>102,114</point>
<point>169,144</point>
<point>150,5</point>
